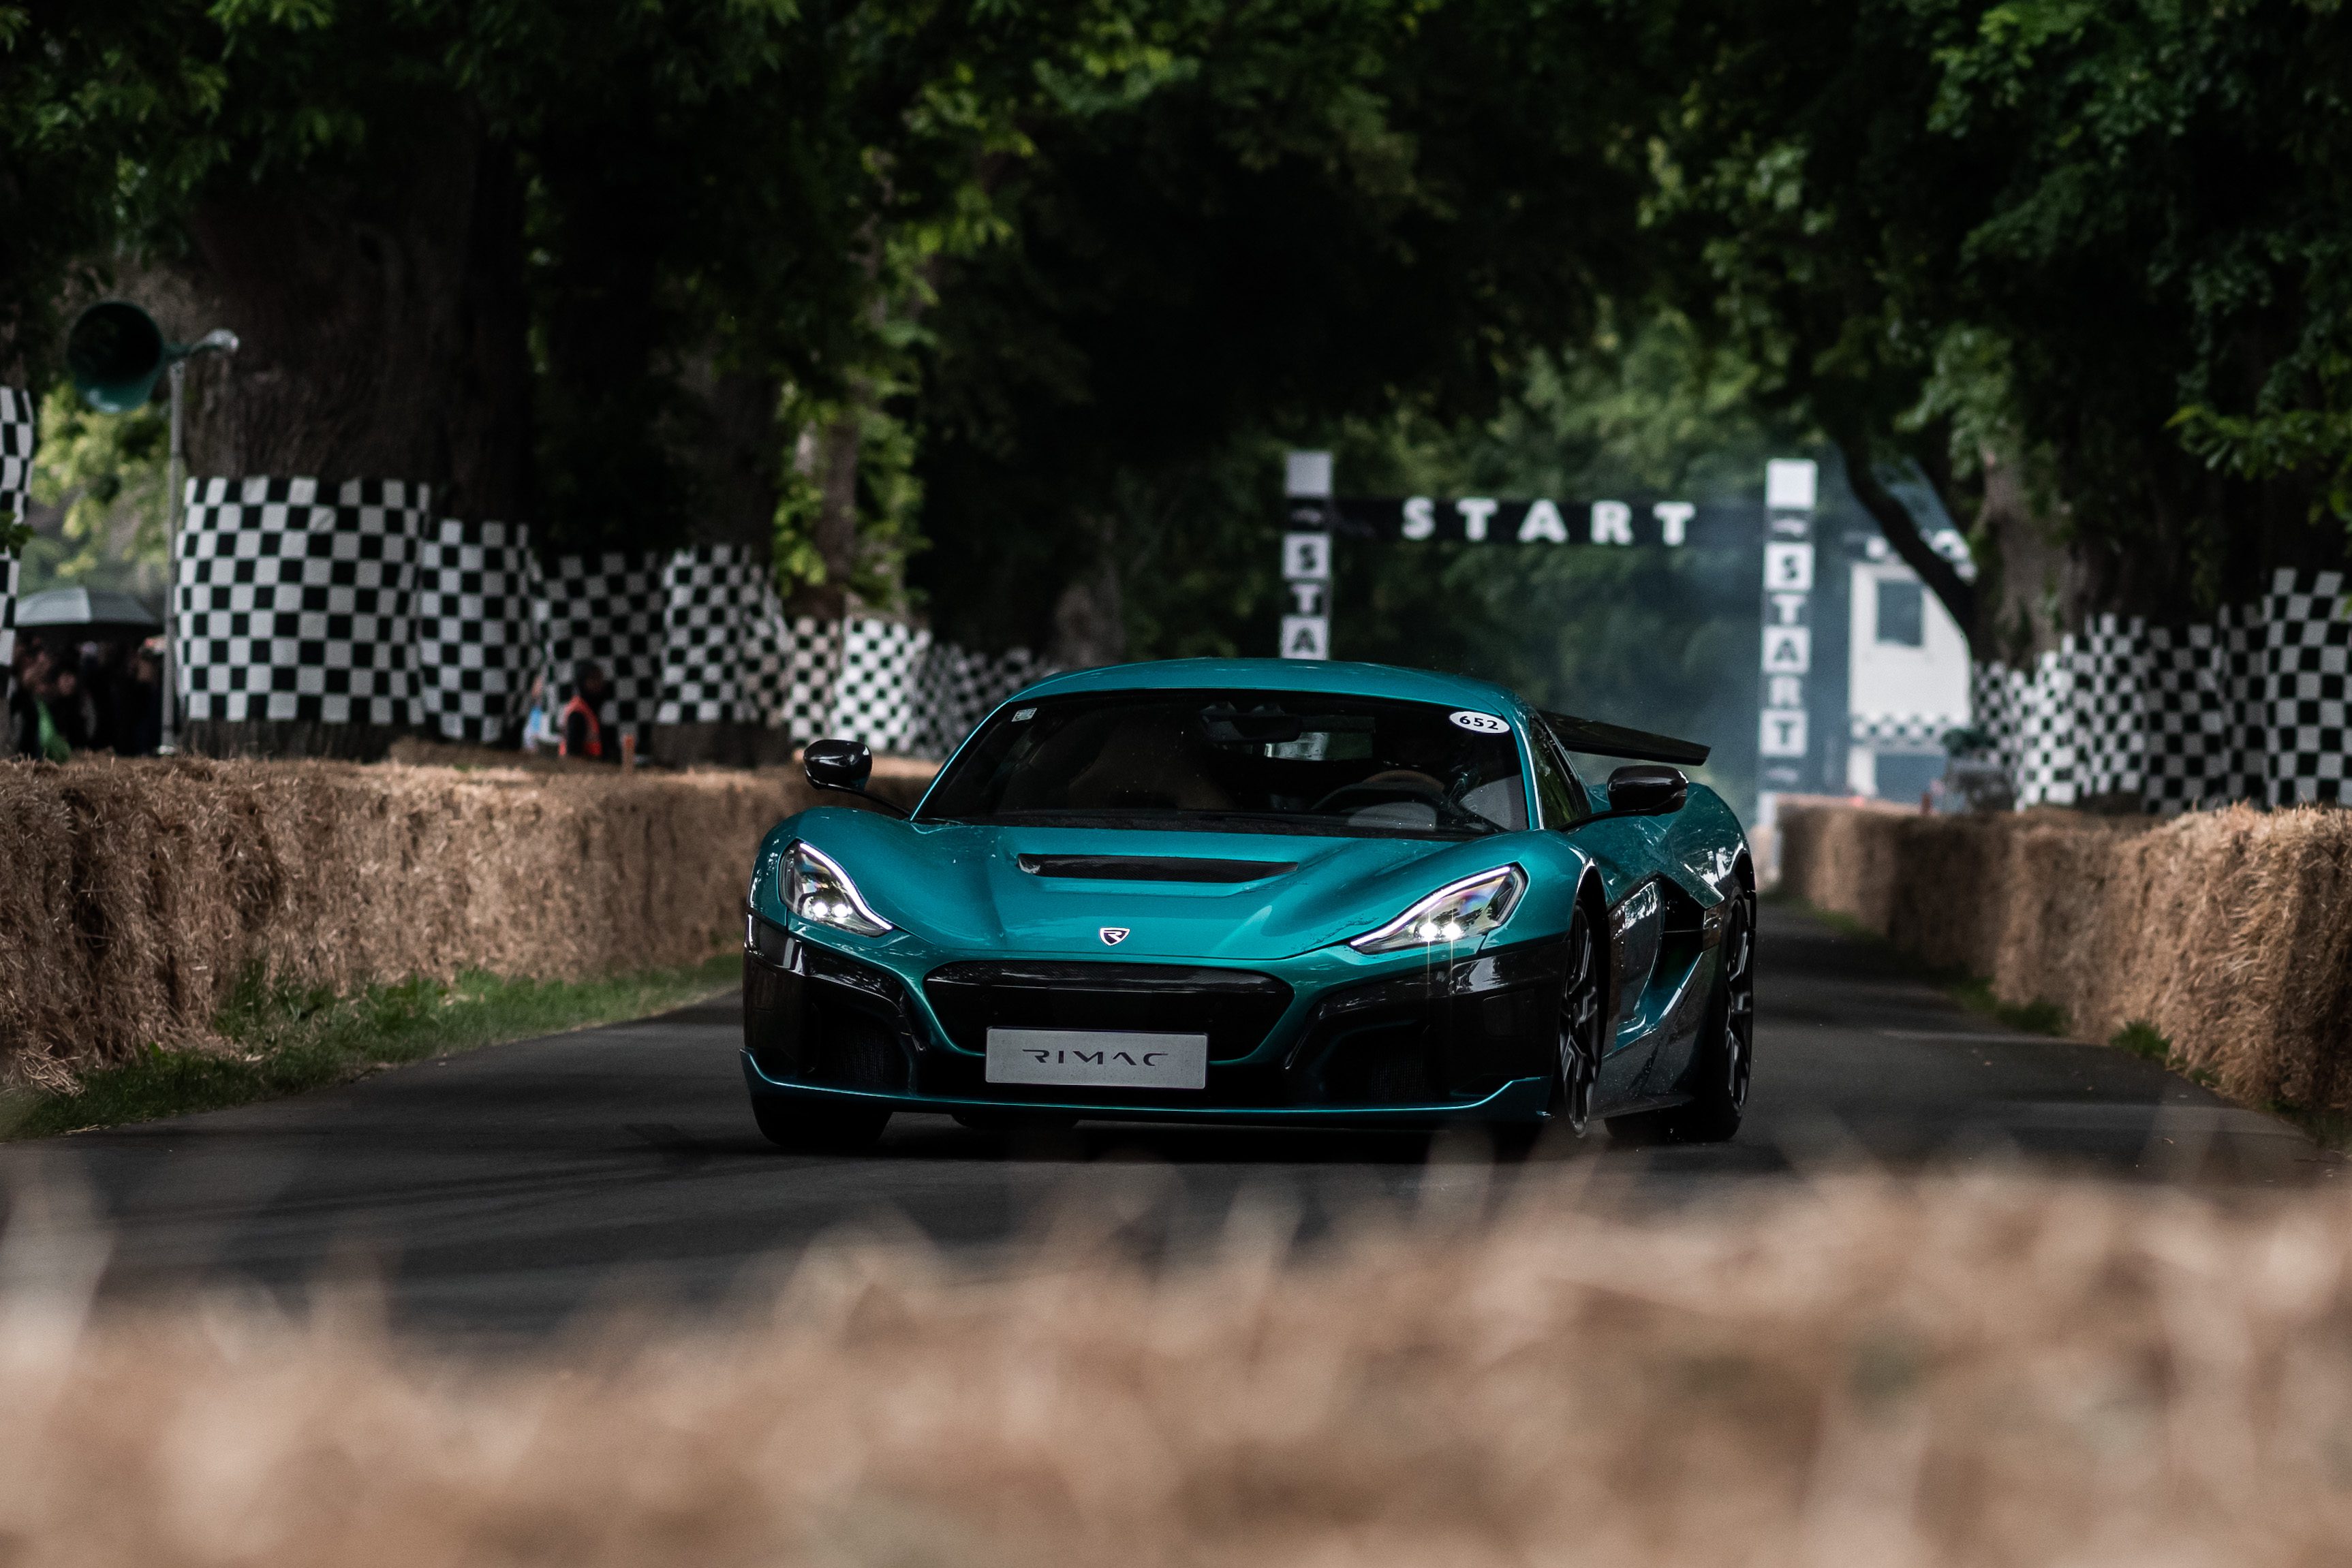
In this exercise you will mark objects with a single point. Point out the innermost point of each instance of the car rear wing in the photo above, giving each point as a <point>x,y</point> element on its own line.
<point>1596,739</point>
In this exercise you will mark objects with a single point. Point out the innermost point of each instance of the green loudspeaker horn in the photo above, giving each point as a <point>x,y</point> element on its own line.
<point>115,352</point>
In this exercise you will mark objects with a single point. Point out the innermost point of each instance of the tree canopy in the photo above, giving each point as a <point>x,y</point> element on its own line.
<point>1006,306</point>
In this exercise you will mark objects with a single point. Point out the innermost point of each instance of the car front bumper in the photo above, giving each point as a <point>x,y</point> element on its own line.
<point>1310,1040</point>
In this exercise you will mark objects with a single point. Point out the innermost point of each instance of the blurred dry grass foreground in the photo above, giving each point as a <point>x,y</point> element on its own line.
<point>2230,932</point>
<point>1880,1375</point>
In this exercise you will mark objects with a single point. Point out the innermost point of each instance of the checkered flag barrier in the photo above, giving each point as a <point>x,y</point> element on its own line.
<point>2110,739</point>
<point>475,645</point>
<point>1901,732</point>
<point>2241,630</point>
<point>808,656</point>
<point>2251,708</point>
<point>2307,637</point>
<point>608,610</point>
<point>294,604</point>
<point>2047,760</point>
<point>722,639</point>
<point>2191,754</point>
<point>7,616</point>
<point>956,688</point>
<point>19,435</point>
<point>350,607</point>
<point>1997,708</point>
<point>874,691</point>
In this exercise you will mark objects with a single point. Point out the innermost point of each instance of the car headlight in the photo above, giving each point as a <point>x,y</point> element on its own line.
<point>1458,912</point>
<point>816,888</point>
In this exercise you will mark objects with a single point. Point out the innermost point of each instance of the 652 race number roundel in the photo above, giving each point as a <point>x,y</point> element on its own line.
<point>1480,723</point>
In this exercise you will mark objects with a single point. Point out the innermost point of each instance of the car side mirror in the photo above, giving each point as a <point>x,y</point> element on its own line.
<point>1647,789</point>
<point>839,764</point>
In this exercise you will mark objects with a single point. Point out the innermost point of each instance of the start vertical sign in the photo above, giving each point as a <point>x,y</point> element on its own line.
<point>1307,556</point>
<point>1789,502</point>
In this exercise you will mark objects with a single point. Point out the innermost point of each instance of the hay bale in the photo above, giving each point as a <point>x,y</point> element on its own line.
<point>2230,931</point>
<point>1901,1377</point>
<point>135,895</point>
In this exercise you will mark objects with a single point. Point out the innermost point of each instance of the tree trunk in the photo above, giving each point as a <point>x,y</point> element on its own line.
<point>382,324</point>
<point>834,465</point>
<point>730,447</point>
<point>1090,618</point>
<point>2031,587</point>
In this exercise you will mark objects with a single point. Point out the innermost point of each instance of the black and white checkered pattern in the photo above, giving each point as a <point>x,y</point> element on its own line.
<point>2110,742</point>
<point>1900,732</point>
<point>7,615</point>
<point>713,598</point>
<point>2189,758</point>
<point>2251,708</point>
<point>702,638</point>
<point>2049,760</point>
<point>475,645</point>
<point>2239,630</point>
<point>874,694</point>
<point>1997,708</point>
<point>956,688</point>
<point>294,604</point>
<point>2307,638</point>
<point>789,666</point>
<point>607,611</point>
<point>19,437</point>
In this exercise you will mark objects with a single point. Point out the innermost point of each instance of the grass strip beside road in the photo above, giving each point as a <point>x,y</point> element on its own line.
<point>283,1040</point>
<point>1973,992</point>
<point>2330,1129</point>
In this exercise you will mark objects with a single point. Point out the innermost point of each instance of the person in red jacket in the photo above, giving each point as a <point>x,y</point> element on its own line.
<point>581,723</point>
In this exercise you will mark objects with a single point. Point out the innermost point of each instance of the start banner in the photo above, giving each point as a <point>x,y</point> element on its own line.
<point>1482,520</point>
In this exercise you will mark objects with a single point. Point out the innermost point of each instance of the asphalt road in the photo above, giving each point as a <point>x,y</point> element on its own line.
<point>498,1194</point>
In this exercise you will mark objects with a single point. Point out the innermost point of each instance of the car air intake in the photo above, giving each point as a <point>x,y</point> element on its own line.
<point>1153,868</point>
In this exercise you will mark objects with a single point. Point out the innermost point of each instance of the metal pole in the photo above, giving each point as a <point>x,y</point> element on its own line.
<point>175,469</point>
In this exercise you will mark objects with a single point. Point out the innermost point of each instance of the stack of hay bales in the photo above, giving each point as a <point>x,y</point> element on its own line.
<point>135,895</point>
<point>2229,931</point>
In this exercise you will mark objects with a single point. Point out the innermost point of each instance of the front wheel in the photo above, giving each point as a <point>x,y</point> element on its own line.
<point>1583,1000</point>
<point>1726,1047</point>
<point>806,1128</point>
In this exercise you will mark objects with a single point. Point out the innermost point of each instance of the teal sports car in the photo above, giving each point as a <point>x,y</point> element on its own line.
<point>1258,891</point>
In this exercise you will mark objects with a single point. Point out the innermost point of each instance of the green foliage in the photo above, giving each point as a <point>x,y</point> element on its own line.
<point>1078,270</point>
<point>2043,229</point>
<point>108,470</point>
<point>2033,1017</point>
<point>1317,215</point>
<point>284,1040</point>
<point>2144,1040</point>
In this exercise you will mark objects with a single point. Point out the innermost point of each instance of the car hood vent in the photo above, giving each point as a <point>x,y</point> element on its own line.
<point>1153,868</point>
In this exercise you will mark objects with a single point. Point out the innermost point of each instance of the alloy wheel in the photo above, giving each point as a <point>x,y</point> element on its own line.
<point>1740,995</point>
<point>1580,1029</point>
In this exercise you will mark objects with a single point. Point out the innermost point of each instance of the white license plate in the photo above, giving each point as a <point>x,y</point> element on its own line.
<point>1098,1057</point>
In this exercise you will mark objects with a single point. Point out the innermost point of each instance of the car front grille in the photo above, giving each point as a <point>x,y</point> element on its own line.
<point>1234,1007</point>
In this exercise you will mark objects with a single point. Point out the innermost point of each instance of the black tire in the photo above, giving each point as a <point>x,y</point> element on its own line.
<point>813,1129</point>
<point>1583,1002</point>
<point>1726,1048</point>
<point>1583,1010</point>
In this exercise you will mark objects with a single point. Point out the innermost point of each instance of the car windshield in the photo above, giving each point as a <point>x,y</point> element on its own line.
<point>1240,761</point>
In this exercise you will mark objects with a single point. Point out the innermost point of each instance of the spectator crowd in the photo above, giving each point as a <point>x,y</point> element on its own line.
<point>67,697</point>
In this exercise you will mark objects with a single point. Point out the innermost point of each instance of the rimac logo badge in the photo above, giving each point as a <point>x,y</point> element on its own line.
<point>1113,936</point>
